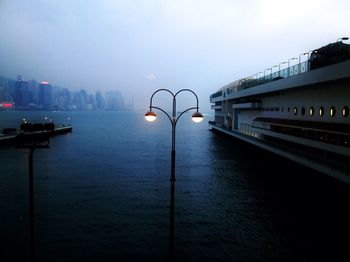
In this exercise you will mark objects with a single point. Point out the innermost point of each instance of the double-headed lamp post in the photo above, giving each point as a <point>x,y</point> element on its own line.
<point>151,116</point>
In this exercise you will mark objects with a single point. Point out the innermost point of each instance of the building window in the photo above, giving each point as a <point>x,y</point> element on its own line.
<point>311,111</point>
<point>332,111</point>
<point>295,110</point>
<point>345,111</point>
<point>321,111</point>
<point>303,111</point>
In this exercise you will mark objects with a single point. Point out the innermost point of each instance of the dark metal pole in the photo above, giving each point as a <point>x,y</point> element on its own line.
<point>172,194</point>
<point>31,206</point>
<point>173,121</point>
<point>172,181</point>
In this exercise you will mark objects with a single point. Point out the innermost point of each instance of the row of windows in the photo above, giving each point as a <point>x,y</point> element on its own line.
<point>323,136</point>
<point>330,159</point>
<point>321,111</point>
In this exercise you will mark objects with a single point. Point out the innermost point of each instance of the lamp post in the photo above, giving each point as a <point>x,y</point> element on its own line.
<point>256,77</point>
<point>275,66</point>
<point>267,69</point>
<point>342,39</point>
<point>303,54</point>
<point>291,70</point>
<point>151,116</point>
<point>291,59</point>
<point>32,142</point>
<point>279,68</point>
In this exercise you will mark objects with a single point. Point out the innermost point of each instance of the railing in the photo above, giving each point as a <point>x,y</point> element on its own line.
<point>330,54</point>
<point>217,94</point>
<point>282,73</point>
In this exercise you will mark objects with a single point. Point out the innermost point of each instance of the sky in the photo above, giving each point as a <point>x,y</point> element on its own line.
<point>139,46</point>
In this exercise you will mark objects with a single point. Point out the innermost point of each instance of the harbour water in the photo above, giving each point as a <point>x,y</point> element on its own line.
<point>102,193</point>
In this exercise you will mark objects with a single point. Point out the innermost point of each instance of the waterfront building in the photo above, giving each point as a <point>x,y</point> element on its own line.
<point>300,112</point>
<point>33,92</point>
<point>21,93</point>
<point>45,95</point>
<point>114,100</point>
<point>100,101</point>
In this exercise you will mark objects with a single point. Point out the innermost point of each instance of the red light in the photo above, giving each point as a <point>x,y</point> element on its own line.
<point>44,83</point>
<point>6,105</point>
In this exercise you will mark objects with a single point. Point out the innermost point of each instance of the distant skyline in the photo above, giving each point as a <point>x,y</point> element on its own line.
<point>139,46</point>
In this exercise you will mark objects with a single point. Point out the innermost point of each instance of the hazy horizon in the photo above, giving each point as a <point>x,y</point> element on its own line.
<point>138,47</point>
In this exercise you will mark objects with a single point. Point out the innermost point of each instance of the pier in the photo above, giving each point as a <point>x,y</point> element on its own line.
<point>34,131</point>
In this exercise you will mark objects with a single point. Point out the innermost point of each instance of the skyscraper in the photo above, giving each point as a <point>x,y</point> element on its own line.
<point>21,92</point>
<point>100,101</point>
<point>114,100</point>
<point>45,95</point>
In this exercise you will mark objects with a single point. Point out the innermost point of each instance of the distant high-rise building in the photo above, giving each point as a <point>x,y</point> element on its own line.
<point>21,92</point>
<point>45,95</point>
<point>61,99</point>
<point>82,100</point>
<point>114,100</point>
<point>33,92</point>
<point>100,101</point>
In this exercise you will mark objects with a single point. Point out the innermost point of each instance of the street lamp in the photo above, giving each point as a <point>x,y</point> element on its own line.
<point>342,39</point>
<point>275,66</point>
<point>267,69</point>
<point>32,142</point>
<point>291,59</point>
<point>279,68</point>
<point>197,117</point>
<point>151,116</point>
<point>291,69</point>
<point>303,54</point>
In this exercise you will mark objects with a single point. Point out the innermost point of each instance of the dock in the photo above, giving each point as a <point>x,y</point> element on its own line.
<point>25,134</point>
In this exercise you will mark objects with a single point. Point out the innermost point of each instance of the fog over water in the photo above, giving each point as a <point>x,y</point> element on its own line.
<point>140,46</point>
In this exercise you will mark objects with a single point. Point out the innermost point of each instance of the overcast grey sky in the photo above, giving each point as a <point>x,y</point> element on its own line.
<point>140,46</point>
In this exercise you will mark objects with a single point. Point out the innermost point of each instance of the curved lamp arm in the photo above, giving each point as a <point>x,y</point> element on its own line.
<point>151,100</point>
<point>188,109</point>
<point>162,89</point>
<point>173,120</point>
<point>189,90</point>
<point>162,111</point>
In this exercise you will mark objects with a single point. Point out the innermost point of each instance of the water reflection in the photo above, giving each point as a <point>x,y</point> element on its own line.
<point>102,194</point>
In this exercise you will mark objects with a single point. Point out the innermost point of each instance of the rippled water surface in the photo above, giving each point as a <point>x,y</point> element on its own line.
<point>102,194</point>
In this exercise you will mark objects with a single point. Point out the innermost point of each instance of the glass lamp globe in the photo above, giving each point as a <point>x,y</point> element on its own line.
<point>197,117</point>
<point>150,116</point>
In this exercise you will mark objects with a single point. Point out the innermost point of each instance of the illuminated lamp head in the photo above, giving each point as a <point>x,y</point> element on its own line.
<point>150,116</point>
<point>197,117</point>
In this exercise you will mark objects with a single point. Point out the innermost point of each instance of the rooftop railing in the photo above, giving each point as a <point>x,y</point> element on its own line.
<point>260,78</point>
<point>330,54</point>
